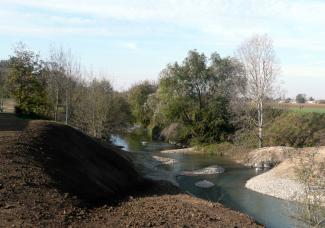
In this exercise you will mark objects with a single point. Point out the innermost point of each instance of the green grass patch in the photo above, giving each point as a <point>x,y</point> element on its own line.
<point>220,149</point>
<point>308,110</point>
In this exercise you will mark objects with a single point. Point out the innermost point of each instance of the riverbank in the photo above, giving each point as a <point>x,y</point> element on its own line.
<point>53,175</point>
<point>286,180</point>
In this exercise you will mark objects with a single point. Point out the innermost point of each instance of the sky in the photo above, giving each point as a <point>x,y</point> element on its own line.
<point>133,40</point>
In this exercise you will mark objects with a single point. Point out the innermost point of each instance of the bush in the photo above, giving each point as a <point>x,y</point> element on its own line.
<point>176,133</point>
<point>296,129</point>
<point>220,149</point>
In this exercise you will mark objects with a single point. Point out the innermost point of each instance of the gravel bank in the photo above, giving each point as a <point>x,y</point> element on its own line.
<point>283,188</point>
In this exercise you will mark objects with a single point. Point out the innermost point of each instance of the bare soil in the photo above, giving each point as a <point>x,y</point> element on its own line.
<point>52,175</point>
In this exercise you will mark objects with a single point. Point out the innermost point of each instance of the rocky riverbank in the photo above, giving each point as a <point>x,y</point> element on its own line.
<point>283,181</point>
<point>54,176</point>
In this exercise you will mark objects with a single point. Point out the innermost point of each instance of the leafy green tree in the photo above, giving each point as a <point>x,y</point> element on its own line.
<point>26,83</point>
<point>137,97</point>
<point>301,98</point>
<point>4,65</point>
<point>198,93</point>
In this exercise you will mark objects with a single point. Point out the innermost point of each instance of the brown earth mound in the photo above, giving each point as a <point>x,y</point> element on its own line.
<point>53,175</point>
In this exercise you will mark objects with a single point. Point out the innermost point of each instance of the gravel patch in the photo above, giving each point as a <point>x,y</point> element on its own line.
<point>283,188</point>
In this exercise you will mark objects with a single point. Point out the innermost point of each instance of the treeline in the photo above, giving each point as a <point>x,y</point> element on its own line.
<point>196,100</point>
<point>58,89</point>
<point>200,100</point>
<point>206,100</point>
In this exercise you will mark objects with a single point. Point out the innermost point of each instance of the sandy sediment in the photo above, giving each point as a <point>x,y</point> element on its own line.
<point>282,181</point>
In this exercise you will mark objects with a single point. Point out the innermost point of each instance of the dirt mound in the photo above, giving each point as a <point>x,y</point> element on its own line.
<point>268,156</point>
<point>167,211</point>
<point>77,163</point>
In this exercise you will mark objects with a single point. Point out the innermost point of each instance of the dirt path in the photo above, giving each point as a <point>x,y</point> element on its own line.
<point>52,175</point>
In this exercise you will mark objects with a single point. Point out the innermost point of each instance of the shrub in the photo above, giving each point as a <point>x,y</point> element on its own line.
<point>296,129</point>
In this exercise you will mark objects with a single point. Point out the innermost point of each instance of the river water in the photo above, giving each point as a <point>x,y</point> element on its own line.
<point>229,186</point>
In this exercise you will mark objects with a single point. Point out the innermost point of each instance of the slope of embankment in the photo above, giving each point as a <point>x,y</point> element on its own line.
<point>283,181</point>
<point>53,175</point>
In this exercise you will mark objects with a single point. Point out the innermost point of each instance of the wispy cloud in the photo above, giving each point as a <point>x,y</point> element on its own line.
<point>131,46</point>
<point>230,20</point>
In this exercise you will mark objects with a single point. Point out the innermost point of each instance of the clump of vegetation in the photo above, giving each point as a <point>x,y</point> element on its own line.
<point>198,95</point>
<point>55,89</point>
<point>138,98</point>
<point>220,149</point>
<point>296,129</point>
<point>26,82</point>
<point>310,173</point>
<point>175,133</point>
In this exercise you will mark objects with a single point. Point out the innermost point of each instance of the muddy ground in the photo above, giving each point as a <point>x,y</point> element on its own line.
<point>54,176</point>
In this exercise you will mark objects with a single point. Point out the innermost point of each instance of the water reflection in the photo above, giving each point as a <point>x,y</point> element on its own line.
<point>229,186</point>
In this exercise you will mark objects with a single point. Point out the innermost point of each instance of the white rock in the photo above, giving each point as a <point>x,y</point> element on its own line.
<point>163,160</point>
<point>204,184</point>
<point>205,171</point>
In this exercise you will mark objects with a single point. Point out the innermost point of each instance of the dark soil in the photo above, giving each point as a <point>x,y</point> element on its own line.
<point>53,175</point>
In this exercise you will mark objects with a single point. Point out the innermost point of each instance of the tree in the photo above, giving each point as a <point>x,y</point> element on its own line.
<point>26,82</point>
<point>260,67</point>
<point>4,68</point>
<point>137,97</point>
<point>63,80</point>
<point>301,98</point>
<point>198,92</point>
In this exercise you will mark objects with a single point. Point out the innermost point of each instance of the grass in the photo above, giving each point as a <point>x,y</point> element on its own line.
<point>303,108</point>
<point>307,110</point>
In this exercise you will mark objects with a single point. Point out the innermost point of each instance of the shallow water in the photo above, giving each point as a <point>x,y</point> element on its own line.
<point>229,186</point>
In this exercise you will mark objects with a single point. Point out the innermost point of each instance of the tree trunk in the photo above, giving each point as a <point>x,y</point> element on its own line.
<point>56,105</point>
<point>66,108</point>
<point>1,101</point>
<point>260,123</point>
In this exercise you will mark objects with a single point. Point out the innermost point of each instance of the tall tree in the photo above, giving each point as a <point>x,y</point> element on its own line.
<point>261,68</point>
<point>301,98</point>
<point>198,92</point>
<point>137,97</point>
<point>26,82</point>
<point>4,70</point>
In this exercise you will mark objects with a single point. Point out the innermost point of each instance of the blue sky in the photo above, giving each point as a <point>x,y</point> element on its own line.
<point>134,40</point>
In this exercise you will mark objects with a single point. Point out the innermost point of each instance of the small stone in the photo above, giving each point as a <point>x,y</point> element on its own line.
<point>8,206</point>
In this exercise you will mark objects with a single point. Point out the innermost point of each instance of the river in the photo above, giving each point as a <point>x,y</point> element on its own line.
<point>229,186</point>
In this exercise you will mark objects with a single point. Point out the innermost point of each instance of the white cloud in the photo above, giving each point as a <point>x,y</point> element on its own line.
<point>130,45</point>
<point>229,19</point>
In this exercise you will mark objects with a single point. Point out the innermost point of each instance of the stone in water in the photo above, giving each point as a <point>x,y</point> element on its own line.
<point>204,184</point>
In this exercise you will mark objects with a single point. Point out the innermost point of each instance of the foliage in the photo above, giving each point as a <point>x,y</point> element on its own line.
<point>296,129</point>
<point>26,82</point>
<point>175,133</point>
<point>197,94</point>
<point>4,71</point>
<point>56,89</point>
<point>138,96</point>
<point>310,172</point>
<point>220,149</point>
<point>301,98</point>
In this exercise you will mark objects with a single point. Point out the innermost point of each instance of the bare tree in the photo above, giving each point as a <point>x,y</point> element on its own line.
<point>64,75</point>
<point>260,69</point>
